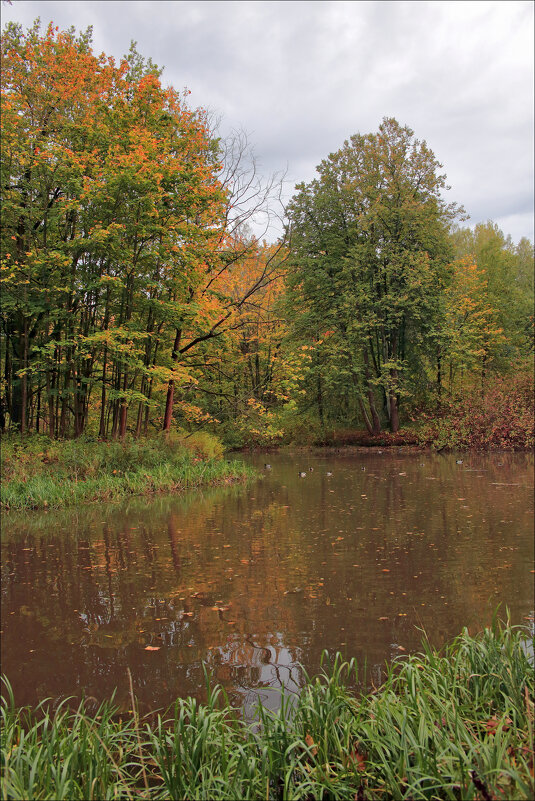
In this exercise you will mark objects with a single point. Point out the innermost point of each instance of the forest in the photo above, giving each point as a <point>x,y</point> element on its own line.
<point>137,297</point>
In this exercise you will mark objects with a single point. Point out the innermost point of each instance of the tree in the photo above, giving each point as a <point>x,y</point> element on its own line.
<point>470,332</point>
<point>369,243</point>
<point>122,214</point>
<point>509,274</point>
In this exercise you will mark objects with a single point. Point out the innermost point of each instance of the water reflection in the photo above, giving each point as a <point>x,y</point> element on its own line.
<point>255,581</point>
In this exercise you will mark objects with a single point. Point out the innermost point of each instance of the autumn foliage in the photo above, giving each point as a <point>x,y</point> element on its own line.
<point>116,240</point>
<point>135,298</point>
<point>499,415</point>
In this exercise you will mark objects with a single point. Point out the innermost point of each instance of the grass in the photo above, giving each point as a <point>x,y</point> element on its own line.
<point>456,724</point>
<point>39,473</point>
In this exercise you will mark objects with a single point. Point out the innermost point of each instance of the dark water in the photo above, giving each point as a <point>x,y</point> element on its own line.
<point>255,581</point>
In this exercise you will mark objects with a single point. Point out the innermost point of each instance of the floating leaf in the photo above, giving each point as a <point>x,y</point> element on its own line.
<point>152,648</point>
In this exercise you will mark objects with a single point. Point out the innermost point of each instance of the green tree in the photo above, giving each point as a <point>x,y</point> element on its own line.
<point>369,240</point>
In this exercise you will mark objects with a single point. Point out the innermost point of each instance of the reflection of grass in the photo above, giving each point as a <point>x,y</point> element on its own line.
<point>40,473</point>
<point>454,725</point>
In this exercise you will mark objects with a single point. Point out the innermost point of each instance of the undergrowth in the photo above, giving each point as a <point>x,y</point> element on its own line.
<point>499,415</point>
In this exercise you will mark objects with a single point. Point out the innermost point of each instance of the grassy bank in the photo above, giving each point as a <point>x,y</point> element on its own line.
<point>39,473</point>
<point>451,725</point>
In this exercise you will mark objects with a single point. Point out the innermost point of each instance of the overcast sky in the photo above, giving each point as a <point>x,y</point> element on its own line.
<point>301,77</point>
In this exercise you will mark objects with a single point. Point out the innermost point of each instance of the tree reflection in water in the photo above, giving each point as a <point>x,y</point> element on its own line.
<point>255,582</point>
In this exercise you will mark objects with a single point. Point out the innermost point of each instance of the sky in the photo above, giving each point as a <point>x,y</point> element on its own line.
<point>301,77</point>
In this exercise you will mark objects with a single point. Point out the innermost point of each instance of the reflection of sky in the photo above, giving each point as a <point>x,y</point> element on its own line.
<point>258,673</point>
<point>528,644</point>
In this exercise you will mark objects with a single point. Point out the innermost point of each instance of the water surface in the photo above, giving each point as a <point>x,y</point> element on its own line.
<point>255,581</point>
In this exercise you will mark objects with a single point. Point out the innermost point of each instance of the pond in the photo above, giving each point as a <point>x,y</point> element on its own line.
<point>255,581</point>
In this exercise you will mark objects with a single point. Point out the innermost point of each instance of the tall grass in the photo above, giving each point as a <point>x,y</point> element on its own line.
<point>42,473</point>
<point>456,724</point>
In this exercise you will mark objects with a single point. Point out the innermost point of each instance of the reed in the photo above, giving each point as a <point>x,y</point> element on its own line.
<point>451,724</point>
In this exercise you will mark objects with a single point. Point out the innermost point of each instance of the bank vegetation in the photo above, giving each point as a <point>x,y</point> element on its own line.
<point>455,724</point>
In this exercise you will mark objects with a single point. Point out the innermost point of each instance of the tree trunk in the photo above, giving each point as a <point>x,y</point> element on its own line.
<point>123,409</point>
<point>320,399</point>
<point>24,393</point>
<point>394,411</point>
<point>392,392</point>
<point>50,397</point>
<point>367,421</point>
<point>38,412</point>
<point>169,406</point>
<point>376,421</point>
<point>122,419</point>
<point>168,416</point>
<point>102,424</point>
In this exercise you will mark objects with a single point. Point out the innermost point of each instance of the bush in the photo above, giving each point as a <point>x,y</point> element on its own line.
<point>298,428</point>
<point>500,415</point>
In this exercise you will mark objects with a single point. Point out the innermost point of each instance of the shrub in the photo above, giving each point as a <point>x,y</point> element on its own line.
<point>499,415</point>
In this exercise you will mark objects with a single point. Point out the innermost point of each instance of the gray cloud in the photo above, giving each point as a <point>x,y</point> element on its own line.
<point>301,77</point>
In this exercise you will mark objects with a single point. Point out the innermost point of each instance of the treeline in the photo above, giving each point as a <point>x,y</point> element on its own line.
<point>134,296</point>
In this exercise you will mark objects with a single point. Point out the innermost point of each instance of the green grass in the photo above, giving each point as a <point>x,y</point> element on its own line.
<point>456,724</point>
<point>38,473</point>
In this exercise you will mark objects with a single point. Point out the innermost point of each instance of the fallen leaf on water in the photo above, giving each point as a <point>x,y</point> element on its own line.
<point>152,648</point>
